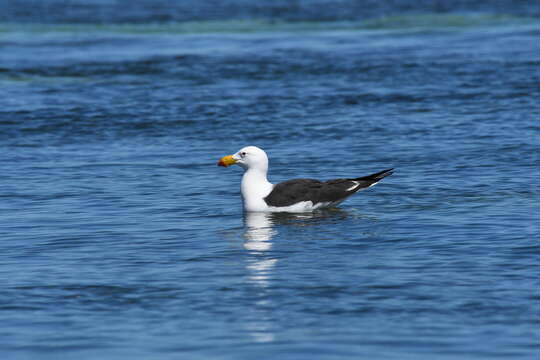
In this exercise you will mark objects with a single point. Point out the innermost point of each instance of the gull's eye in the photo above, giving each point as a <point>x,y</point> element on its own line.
<point>243,153</point>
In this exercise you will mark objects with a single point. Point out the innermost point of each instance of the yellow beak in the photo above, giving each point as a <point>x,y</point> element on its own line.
<point>226,161</point>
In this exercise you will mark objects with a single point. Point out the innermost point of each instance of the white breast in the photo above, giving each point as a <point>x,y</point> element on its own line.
<point>255,188</point>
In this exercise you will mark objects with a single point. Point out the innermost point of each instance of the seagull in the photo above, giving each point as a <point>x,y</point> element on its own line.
<point>297,195</point>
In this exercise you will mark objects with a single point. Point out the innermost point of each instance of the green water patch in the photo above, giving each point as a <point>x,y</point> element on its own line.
<point>27,79</point>
<point>446,21</point>
<point>400,22</point>
<point>196,27</point>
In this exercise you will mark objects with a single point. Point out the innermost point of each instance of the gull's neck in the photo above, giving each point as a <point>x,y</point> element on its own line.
<point>255,187</point>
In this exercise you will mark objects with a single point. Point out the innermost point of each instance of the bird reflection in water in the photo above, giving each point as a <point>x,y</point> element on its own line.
<point>258,235</point>
<point>260,229</point>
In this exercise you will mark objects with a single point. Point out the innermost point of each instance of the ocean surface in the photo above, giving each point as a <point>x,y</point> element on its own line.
<point>120,238</point>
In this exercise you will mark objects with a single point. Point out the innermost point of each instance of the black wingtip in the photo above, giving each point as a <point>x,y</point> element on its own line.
<point>384,173</point>
<point>377,176</point>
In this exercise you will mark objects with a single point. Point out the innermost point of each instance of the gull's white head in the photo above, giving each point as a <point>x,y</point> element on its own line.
<point>249,157</point>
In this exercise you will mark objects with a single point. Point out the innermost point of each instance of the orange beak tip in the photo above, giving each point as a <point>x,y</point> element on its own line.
<point>226,161</point>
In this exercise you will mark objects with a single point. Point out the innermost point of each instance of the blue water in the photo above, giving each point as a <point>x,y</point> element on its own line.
<point>122,239</point>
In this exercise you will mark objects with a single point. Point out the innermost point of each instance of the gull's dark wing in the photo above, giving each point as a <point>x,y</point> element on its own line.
<point>294,191</point>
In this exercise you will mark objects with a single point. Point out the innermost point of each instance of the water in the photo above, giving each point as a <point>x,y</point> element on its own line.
<point>122,239</point>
